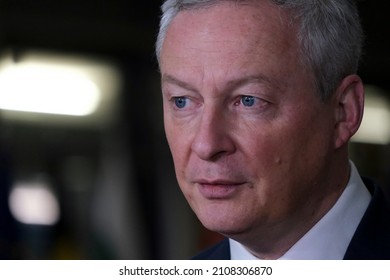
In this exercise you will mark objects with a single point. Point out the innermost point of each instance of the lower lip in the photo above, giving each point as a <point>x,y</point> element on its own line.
<point>218,191</point>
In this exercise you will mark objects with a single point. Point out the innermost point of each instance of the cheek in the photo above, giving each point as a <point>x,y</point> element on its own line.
<point>292,159</point>
<point>282,153</point>
<point>263,150</point>
<point>265,160</point>
<point>172,133</point>
<point>178,144</point>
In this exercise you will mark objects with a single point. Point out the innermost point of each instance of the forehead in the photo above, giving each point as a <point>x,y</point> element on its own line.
<point>228,31</point>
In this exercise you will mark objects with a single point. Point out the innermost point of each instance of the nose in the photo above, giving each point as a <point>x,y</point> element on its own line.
<point>213,136</point>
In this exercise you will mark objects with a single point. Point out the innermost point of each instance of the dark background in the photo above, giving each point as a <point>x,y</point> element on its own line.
<point>131,207</point>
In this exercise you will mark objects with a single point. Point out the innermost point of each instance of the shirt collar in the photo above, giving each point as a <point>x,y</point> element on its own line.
<point>330,237</point>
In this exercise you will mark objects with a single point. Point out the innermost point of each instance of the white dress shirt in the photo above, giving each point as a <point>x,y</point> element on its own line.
<point>329,238</point>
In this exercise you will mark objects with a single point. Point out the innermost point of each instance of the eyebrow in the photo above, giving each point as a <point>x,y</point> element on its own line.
<point>166,78</point>
<point>232,84</point>
<point>260,79</point>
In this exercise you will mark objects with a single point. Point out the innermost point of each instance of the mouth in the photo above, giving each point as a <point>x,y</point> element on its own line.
<point>219,189</point>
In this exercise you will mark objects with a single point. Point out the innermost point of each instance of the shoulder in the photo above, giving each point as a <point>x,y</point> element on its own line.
<point>220,251</point>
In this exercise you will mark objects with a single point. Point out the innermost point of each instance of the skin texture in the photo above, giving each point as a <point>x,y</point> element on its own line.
<point>259,157</point>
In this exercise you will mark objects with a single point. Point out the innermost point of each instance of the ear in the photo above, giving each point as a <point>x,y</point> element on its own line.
<point>349,109</point>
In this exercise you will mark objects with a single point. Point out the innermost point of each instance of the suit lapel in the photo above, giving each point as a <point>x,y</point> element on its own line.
<point>372,237</point>
<point>220,251</point>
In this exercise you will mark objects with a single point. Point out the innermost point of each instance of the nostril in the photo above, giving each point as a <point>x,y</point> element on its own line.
<point>212,145</point>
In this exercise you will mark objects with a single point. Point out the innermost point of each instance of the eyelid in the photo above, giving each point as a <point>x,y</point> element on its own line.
<point>260,105</point>
<point>176,97</point>
<point>173,98</point>
<point>260,99</point>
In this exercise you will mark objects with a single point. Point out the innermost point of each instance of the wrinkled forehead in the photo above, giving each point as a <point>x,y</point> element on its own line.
<point>228,24</point>
<point>228,43</point>
<point>262,9</point>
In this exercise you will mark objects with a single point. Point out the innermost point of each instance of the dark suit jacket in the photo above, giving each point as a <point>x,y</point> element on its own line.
<point>371,240</point>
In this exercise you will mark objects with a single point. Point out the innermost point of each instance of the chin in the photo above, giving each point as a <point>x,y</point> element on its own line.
<point>226,224</point>
<point>229,232</point>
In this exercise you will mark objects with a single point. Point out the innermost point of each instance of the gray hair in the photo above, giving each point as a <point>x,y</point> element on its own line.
<point>330,35</point>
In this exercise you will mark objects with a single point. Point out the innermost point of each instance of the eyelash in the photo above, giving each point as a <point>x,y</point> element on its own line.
<point>254,102</point>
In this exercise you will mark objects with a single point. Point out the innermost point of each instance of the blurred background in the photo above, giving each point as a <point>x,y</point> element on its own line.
<point>85,171</point>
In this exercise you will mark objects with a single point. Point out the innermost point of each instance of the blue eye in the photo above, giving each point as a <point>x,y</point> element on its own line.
<point>248,101</point>
<point>180,102</point>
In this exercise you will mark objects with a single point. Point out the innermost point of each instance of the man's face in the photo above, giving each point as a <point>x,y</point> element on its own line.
<point>250,139</point>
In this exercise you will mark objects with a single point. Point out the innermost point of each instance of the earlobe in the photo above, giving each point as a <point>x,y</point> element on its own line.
<point>349,109</point>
